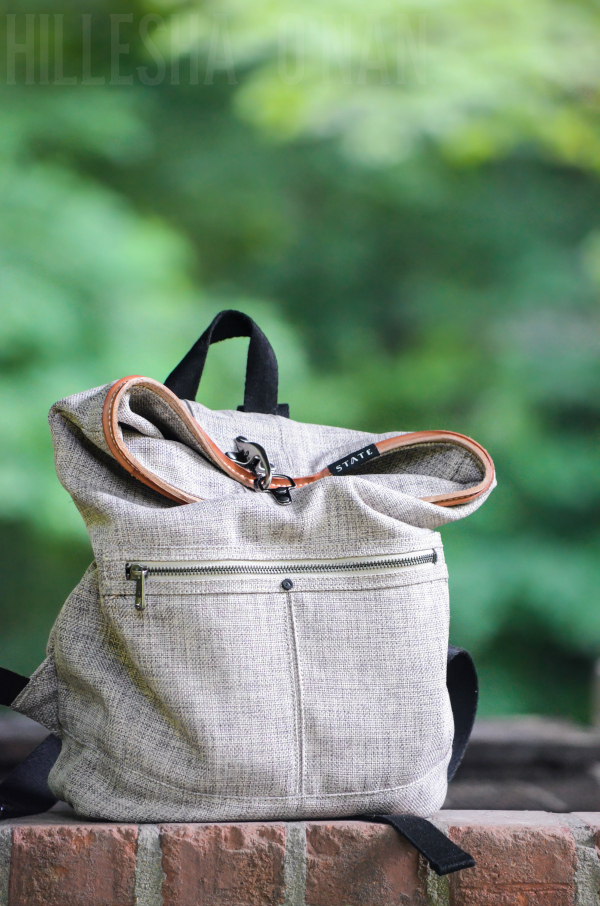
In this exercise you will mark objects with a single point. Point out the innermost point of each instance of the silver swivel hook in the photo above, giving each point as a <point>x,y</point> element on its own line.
<point>254,457</point>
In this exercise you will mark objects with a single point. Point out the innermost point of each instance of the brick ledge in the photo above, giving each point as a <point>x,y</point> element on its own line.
<point>523,858</point>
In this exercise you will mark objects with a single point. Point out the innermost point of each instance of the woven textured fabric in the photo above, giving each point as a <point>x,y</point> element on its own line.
<point>259,691</point>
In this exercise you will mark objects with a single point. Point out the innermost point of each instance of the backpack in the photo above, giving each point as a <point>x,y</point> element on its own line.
<point>263,634</point>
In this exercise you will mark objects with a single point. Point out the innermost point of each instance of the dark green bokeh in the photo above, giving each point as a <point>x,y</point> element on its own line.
<point>447,282</point>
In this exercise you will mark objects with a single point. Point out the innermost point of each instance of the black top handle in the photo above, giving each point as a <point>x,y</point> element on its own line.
<point>262,376</point>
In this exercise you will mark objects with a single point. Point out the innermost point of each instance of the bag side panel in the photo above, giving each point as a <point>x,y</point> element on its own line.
<point>39,698</point>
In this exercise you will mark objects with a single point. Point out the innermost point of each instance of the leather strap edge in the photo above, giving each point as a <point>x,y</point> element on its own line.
<point>118,448</point>
<point>479,453</point>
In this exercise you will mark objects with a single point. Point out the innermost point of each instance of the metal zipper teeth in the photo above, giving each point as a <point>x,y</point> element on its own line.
<point>140,573</point>
<point>279,569</point>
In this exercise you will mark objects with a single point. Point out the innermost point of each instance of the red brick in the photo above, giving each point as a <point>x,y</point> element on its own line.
<point>223,864</point>
<point>73,865</point>
<point>522,858</point>
<point>354,863</point>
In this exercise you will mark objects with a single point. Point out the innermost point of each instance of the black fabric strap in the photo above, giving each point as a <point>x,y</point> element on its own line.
<point>25,791</point>
<point>262,376</point>
<point>443,855</point>
<point>11,684</point>
<point>463,689</point>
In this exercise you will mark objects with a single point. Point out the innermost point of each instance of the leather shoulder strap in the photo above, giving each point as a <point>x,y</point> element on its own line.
<point>200,439</point>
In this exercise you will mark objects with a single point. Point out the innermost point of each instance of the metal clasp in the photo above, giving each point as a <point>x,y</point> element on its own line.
<point>254,457</point>
<point>282,495</point>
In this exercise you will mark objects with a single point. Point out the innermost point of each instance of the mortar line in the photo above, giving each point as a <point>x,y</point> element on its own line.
<point>587,864</point>
<point>149,874</point>
<point>5,859</point>
<point>294,866</point>
<point>437,886</point>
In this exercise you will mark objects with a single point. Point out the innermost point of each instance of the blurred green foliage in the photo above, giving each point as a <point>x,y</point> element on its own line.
<point>405,195</point>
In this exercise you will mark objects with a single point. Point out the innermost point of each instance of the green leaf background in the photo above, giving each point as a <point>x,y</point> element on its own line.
<point>405,195</point>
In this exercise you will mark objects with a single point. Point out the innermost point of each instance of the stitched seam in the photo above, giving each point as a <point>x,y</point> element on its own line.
<point>391,548</point>
<point>294,686</point>
<point>297,695</point>
<point>131,461</point>
<point>134,463</point>
<point>309,591</point>
<point>123,449</point>
<point>343,795</point>
<point>433,443</point>
<point>200,440</point>
<point>220,463</point>
<point>472,493</point>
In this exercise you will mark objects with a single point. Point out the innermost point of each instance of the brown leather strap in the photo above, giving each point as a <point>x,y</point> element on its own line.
<point>199,438</point>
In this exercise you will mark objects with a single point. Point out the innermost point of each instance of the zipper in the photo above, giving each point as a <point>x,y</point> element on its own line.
<point>139,573</point>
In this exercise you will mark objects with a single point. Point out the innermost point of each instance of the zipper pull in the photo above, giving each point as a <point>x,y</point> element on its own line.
<point>138,573</point>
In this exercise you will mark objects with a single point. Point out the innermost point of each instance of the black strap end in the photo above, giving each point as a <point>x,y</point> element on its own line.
<point>282,409</point>
<point>10,812</point>
<point>25,790</point>
<point>11,685</point>
<point>462,860</point>
<point>442,854</point>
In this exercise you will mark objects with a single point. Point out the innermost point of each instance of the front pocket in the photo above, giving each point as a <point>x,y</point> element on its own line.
<point>219,688</point>
<point>283,679</point>
<point>372,676</point>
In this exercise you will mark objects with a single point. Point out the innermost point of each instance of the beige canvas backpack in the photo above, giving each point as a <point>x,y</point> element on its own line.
<point>263,633</point>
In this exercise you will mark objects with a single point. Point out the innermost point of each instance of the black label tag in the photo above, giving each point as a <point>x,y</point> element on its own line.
<point>353,460</point>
